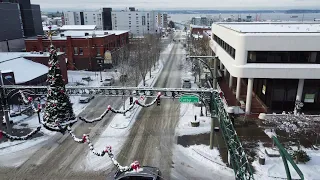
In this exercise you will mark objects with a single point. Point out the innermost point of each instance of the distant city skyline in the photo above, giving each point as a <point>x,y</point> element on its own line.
<point>179,4</point>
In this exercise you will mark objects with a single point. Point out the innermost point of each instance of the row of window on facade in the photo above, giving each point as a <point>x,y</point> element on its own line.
<point>229,49</point>
<point>284,57</point>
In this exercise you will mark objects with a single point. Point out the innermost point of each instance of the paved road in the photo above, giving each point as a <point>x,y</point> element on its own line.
<point>55,158</point>
<point>152,136</point>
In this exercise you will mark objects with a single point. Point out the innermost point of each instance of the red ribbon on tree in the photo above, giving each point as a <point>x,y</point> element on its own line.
<point>62,91</point>
<point>1,134</point>
<point>109,107</point>
<point>29,99</point>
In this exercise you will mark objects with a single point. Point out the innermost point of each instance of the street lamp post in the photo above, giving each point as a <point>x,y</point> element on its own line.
<point>101,73</point>
<point>214,86</point>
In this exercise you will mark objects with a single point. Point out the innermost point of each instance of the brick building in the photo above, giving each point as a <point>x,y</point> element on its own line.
<point>84,49</point>
<point>199,29</point>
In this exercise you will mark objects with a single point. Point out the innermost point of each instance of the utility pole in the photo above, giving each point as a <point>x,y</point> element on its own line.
<point>5,105</point>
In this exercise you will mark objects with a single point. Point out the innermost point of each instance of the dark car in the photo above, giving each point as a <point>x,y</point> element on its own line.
<point>143,173</point>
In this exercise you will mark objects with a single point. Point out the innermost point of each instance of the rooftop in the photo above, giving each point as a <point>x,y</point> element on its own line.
<point>5,56</point>
<point>253,27</point>
<point>24,70</point>
<point>197,26</point>
<point>78,27</point>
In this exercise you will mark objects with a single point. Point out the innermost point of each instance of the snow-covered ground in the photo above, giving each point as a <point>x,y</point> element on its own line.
<point>274,167</point>
<point>204,163</point>
<point>24,149</point>
<point>119,128</point>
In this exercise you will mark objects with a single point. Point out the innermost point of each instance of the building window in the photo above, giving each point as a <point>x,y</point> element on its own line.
<point>80,51</point>
<point>98,52</point>
<point>75,50</point>
<point>229,49</point>
<point>143,20</point>
<point>301,57</point>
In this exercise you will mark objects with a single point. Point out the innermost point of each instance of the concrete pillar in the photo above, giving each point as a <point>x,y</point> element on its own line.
<point>221,65</point>
<point>249,95</point>
<point>300,90</point>
<point>238,88</point>
<point>230,81</point>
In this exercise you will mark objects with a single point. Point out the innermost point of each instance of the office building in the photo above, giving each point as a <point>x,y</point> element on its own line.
<point>20,19</point>
<point>273,65</point>
<point>84,18</point>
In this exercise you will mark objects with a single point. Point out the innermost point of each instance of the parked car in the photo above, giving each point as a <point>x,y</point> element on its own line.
<point>186,83</point>
<point>144,173</point>
<point>85,98</point>
<point>14,113</point>
<point>108,81</point>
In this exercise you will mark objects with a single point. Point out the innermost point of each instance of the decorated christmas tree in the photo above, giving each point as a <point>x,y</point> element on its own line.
<point>58,107</point>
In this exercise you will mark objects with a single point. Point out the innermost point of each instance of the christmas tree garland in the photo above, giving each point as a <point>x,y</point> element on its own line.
<point>85,139</point>
<point>120,111</point>
<point>19,138</point>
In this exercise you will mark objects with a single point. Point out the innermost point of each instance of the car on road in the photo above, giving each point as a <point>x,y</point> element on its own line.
<point>143,173</point>
<point>186,83</point>
<point>108,81</point>
<point>86,98</point>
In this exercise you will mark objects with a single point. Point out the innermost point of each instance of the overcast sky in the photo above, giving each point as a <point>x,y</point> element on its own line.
<point>178,4</point>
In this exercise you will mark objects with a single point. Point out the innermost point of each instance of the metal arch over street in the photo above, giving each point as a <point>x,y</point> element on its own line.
<point>239,161</point>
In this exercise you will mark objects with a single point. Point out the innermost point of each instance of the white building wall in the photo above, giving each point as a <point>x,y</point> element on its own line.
<point>244,42</point>
<point>90,18</point>
<point>135,21</point>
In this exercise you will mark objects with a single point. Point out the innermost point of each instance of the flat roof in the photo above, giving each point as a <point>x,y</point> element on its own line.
<point>78,27</point>
<point>5,56</point>
<point>24,70</point>
<point>197,26</point>
<point>253,27</point>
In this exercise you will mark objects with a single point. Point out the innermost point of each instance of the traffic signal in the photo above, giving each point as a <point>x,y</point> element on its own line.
<point>131,100</point>
<point>158,101</point>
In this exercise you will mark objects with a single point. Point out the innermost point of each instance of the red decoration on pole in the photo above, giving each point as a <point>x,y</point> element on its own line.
<point>84,138</point>
<point>1,134</point>
<point>39,106</point>
<point>135,165</point>
<point>159,94</point>
<point>108,149</point>
<point>137,101</point>
<point>109,107</point>
<point>29,99</point>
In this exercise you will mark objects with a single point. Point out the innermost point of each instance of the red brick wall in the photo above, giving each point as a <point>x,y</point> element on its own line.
<point>200,30</point>
<point>89,46</point>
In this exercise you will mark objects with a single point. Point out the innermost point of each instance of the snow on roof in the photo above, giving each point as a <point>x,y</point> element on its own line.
<point>24,70</point>
<point>252,27</point>
<point>197,26</point>
<point>78,27</point>
<point>97,33</point>
<point>5,56</point>
<point>53,27</point>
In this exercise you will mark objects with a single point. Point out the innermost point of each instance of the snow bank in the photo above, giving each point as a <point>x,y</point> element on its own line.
<point>274,167</point>
<point>202,161</point>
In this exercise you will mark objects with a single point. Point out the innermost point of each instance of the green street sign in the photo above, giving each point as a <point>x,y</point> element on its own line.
<point>189,99</point>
